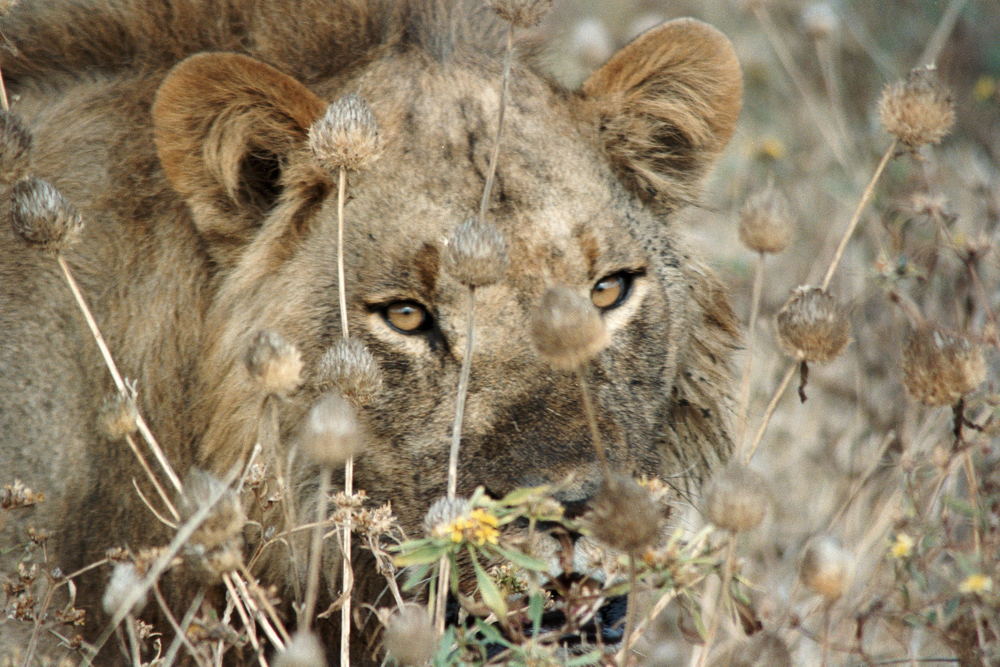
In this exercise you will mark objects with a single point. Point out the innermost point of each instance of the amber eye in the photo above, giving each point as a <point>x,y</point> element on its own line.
<point>611,291</point>
<point>407,317</point>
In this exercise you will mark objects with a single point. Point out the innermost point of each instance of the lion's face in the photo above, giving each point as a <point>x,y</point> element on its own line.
<point>584,183</point>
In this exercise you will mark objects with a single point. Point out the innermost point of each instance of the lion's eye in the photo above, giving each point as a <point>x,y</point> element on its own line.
<point>611,291</point>
<point>407,317</point>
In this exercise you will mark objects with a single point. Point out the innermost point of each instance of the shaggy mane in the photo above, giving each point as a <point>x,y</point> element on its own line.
<point>310,39</point>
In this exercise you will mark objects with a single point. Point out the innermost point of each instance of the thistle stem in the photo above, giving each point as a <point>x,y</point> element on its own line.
<point>595,434</point>
<point>744,406</point>
<point>463,390</point>
<point>504,85</point>
<point>315,547</point>
<point>727,576</point>
<point>630,610</point>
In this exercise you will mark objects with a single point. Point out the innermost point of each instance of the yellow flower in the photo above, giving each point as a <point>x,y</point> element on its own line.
<point>478,527</point>
<point>902,547</point>
<point>984,88</point>
<point>976,583</point>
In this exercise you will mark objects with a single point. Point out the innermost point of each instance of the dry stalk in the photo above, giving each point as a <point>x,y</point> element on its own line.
<point>180,629</point>
<point>630,611</point>
<point>250,626</point>
<point>720,600</point>
<point>595,434</point>
<point>268,622</point>
<point>315,548</point>
<point>744,405</point>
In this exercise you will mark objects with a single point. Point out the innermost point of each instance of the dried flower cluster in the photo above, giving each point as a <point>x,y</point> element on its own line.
<point>274,363</point>
<point>118,416</point>
<point>475,254</point>
<point>766,221</point>
<point>42,216</point>
<point>736,498</point>
<point>350,368</point>
<point>625,516</point>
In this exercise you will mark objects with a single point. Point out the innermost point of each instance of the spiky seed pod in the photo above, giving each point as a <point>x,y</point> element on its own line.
<point>350,368</point>
<point>275,363</point>
<point>820,20</point>
<point>331,433</point>
<point>919,110</point>
<point>346,136</point>
<point>522,13</point>
<point>409,637</point>
<point>117,416</point>
<point>812,325</point>
<point>476,254</point>
<point>15,147</point>
<point>443,512</point>
<point>938,368</point>
<point>124,580</point>
<point>303,651</point>
<point>226,518</point>
<point>624,515</point>
<point>766,221</point>
<point>567,329</point>
<point>42,216</point>
<point>825,567</point>
<point>736,498</point>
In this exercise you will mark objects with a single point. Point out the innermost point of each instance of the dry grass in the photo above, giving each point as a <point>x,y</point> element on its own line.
<point>880,539</point>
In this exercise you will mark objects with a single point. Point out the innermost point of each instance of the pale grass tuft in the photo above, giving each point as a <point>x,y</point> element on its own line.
<point>42,217</point>
<point>568,331</point>
<point>939,368</point>
<point>812,325</point>
<point>346,136</point>
<point>124,579</point>
<point>118,416</point>
<point>409,637</point>
<point>919,110</point>
<point>275,363</point>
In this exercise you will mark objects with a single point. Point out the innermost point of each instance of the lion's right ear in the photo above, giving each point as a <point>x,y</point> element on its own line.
<point>224,125</point>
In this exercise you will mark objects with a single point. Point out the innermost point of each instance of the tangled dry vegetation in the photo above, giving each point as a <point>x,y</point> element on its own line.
<point>859,520</point>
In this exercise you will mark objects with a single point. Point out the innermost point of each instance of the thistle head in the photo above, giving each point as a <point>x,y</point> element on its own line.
<point>812,325</point>
<point>825,567</point>
<point>275,363</point>
<point>225,519</point>
<point>409,636</point>
<point>766,222</point>
<point>567,329</point>
<point>118,416</point>
<point>346,136</point>
<point>736,498</point>
<point>348,367</point>
<point>939,368</point>
<point>303,651</point>
<point>919,110</point>
<point>331,433</point>
<point>624,515</point>
<point>476,254</point>
<point>124,580</point>
<point>42,217</point>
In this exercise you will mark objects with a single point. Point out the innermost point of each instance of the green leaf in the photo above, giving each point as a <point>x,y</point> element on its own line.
<point>416,576</point>
<point>420,554</point>
<point>521,559</point>
<point>536,605</point>
<point>488,589</point>
<point>524,494</point>
<point>591,658</point>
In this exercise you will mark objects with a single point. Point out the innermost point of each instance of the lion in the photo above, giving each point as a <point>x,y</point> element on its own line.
<point>179,131</point>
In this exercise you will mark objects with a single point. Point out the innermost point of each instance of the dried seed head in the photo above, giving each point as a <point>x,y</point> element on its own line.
<point>225,519</point>
<point>938,368</point>
<point>825,567</point>
<point>812,325</point>
<point>117,416</point>
<point>624,515</point>
<point>15,146</point>
<point>443,512</point>
<point>124,580</point>
<point>476,254</point>
<point>350,368</point>
<point>919,110</point>
<point>16,495</point>
<point>766,221</point>
<point>409,637</point>
<point>42,216</point>
<point>567,329</point>
<point>346,136</point>
<point>274,363</point>
<point>736,498</point>
<point>303,651</point>
<point>820,20</point>
<point>522,13</point>
<point>331,433</point>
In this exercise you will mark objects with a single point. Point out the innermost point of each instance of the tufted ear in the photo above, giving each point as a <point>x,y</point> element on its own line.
<point>224,125</point>
<point>665,107</point>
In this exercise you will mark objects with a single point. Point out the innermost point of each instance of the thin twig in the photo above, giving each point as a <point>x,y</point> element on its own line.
<point>595,434</point>
<point>504,84</point>
<point>315,548</point>
<point>268,622</point>
<point>941,32</point>
<point>237,601</point>
<point>463,390</point>
<point>744,406</point>
<point>180,629</point>
<point>769,412</point>
<point>720,600</point>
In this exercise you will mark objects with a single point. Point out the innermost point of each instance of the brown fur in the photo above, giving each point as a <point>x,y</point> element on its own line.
<point>208,220</point>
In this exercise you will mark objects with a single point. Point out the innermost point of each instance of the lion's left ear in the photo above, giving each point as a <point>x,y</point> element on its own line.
<point>665,106</point>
